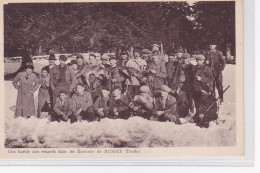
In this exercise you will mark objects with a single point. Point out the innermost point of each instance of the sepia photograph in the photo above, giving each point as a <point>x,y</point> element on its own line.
<point>121,74</point>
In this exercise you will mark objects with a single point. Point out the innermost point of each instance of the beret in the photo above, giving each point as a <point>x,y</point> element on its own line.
<point>146,51</point>
<point>124,53</point>
<point>138,51</point>
<point>165,88</point>
<point>144,89</point>
<point>185,56</point>
<point>180,50</point>
<point>200,57</point>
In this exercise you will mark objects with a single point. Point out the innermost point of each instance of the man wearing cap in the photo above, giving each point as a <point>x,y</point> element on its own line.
<point>62,78</point>
<point>156,47</point>
<point>143,103</point>
<point>146,55</point>
<point>174,72</point>
<point>216,61</point>
<point>115,77</point>
<point>203,97</point>
<point>165,106</point>
<point>123,59</point>
<point>26,83</point>
<point>136,66</point>
<point>156,72</point>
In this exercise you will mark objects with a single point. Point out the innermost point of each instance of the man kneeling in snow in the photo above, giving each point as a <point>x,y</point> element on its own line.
<point>118,104</point>
<point>64,108</point>
<point>101,105</point>
<point>84,104</point>
<point>143,103</point>
<point>165,107</point>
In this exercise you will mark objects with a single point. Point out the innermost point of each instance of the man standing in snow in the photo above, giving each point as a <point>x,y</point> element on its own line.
<point>62,78</point>
<point>203,97</point>
<point>216,61</point>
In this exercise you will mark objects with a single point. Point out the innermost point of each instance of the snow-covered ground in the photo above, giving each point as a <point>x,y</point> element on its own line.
<point>134,132</point>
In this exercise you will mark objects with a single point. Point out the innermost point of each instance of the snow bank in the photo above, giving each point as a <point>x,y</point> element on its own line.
<point>134,132</point>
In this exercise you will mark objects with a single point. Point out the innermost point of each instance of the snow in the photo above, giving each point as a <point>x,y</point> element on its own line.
<point>134,132</point>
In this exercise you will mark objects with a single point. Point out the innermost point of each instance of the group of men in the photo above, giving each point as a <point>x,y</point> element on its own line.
<point>178,89</point>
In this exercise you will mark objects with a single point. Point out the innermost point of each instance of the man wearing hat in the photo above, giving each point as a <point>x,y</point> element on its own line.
<point>136,66</point>
<point>156,72</point>
<point>203,96</point>
<point>216,61</point>
<point>146,55</point>
<point>26,83</point>
<point>165,106</point>
<point>123,59</point>
<point>52,59</point>
<point>143,103</point>
<point>62,78</point>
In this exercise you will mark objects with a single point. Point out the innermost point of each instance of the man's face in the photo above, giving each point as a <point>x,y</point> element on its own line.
<point>155,48</point>
<point>51,62</point>
<point>62,63</point>
<point>44,73</point>
<point>200,61</point>
<point>136,55</point>
<point>80,61</point>
<point>74,66</point>
<point>172,58</point>
<point>145,57</point>
<point>92,78</point>
<point>28,71</point>
<point>186,61</point>
<point>164,94</point>
<point>113,62</point>
<point>92,60</point>
<point>80,89</point>
<point>124,57</point>
<point>63,96</point>
<point>116,94</point>
<point>212,47</point>
<point>155,58</point>
<point>179,55</point>
<point>105,93</point>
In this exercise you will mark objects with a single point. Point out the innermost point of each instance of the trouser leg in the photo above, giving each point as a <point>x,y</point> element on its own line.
<point>219,86</point>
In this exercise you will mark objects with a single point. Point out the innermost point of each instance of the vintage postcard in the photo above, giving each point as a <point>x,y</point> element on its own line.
<point>121,79</point>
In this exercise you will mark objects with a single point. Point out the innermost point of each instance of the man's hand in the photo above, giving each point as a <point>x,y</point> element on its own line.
<point>100,110</point>
<point>65,117</point>
<point>115,111</point>
<point>153,71</point>
<point>204,92</point>
<point>198,78</point>
<point>159,113</point>
<point>143,99</point>
<point>79,118</point>
<point>113,80</point>
<point>136,108</point>
<point>201,116</point>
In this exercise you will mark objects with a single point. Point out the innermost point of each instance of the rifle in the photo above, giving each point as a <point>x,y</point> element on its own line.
<point>211,106</point>
<point>216,100</point>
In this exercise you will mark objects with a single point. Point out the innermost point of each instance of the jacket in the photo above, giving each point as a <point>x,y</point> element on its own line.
<point>69,74</point>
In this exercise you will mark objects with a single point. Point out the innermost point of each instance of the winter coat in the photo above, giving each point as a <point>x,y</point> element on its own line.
<point>82,101</point>
<point>26,86</point>
<point>159,77</point>
<point>69,108</point>
<point>69,75</point>
<point>44,92</point>
<point>216,61</point>
<point>207,78</point>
